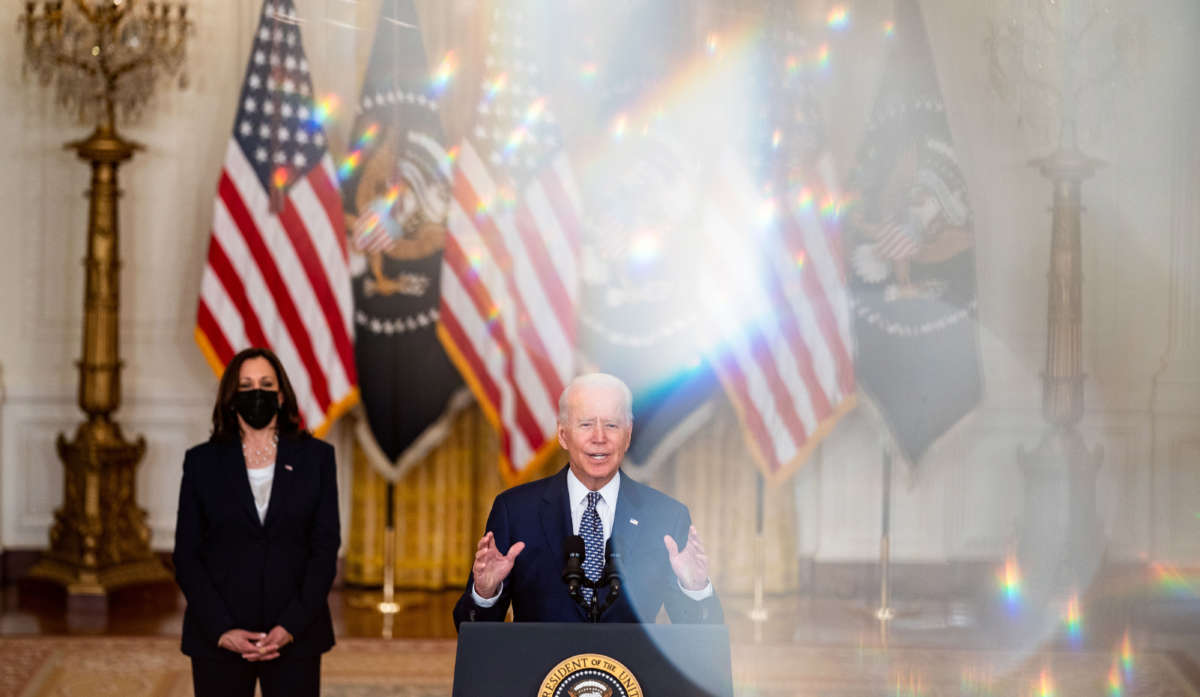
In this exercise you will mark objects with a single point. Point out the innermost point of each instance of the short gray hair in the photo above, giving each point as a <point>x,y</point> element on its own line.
<point>597,380</point>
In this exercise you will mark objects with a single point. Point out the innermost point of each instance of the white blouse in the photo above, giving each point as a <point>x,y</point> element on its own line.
<point>260,485</point>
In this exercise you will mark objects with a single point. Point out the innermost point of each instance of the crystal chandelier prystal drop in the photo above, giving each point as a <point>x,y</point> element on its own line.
<point>104,55</point>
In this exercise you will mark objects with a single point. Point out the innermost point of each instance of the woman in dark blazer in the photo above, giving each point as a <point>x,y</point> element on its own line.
<point>256,540</point>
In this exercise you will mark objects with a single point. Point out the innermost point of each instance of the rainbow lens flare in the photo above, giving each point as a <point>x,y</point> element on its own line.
<point>368,136</point>
<point>823,56</point>
<point>712,44</point>
<point>451,158</point>
<point>805,199</point>
<point>619,125</point>
<point>831,208</point>
<point>495,86</point>
<point>838,19</point>
<point>535,110</point>
<point>1045,686</point>
<point>1170,580</point>
<point>645,247</point>
<point>1010,582</point>
<point>1074,619</point>
<point>445,71</point>
<point>909,682</point>
<point>279,177</point>
<point>475,260</point>
<point>325,109</point>
<point>889,29</point>
<point>515,139</point>
<point>1115,684</point>
<point>349,164</point>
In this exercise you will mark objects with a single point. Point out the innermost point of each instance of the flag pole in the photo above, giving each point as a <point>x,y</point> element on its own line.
<point>885,613</point>
<point>389,606</point>
<point>758,614</point>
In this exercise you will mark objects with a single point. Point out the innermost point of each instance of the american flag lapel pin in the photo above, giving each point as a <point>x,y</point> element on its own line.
<point>633,520</point>
<point>288,468</point>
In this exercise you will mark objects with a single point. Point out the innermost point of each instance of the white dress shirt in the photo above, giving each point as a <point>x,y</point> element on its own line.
<point>606,508</point>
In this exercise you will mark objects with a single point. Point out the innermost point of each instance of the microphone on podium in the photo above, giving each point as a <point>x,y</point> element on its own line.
<point>572,574</point>
<point>612,562</point>
<point>610,577</point>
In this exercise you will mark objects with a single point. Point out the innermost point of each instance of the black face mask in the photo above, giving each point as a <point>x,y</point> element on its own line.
<point>256,407</point>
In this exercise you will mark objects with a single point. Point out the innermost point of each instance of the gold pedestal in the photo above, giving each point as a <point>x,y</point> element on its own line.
<point>100,540</point>
<point>1061,539</point>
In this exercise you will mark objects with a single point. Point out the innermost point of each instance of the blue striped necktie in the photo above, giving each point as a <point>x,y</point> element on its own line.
<point>592,531</point>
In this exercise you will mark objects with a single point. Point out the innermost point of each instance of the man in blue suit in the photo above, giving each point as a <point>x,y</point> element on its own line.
<point>519,560</point>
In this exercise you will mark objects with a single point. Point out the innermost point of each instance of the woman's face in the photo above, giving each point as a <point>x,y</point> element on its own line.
<point>257,374</point>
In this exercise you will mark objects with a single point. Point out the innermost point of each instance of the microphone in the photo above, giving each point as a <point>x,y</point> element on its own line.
<point>611,575</point>
<point>572,573</point>
<point>612,561</point>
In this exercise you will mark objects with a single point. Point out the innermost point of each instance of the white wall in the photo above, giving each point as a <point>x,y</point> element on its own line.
<point>1141,293</point>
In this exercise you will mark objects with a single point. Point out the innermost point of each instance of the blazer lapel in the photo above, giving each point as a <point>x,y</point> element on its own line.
<point>556,519</point>
<point>282,484</point>
<point>556,513</point>
<point>627,523</point>
<point>239,481</point>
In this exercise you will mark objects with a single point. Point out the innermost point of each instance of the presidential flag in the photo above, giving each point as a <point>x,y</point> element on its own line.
<point>276,272</point>
<point>911,247</point>
<point>782,343</point>
<point>638,318</point>
<point>510,267</point>
<point>395,182</point>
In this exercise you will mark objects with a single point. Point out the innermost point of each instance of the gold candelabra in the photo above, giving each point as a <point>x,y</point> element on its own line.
<point>101,56</point>
<point>1051,57</point>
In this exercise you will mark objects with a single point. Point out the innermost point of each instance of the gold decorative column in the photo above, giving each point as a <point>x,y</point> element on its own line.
<point>1061,537</point>
<point>1055,61</point>
<point>101,55</point>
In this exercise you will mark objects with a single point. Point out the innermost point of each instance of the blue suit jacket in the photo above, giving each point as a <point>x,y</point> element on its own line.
<point>239,573</point>
<point>539,514</point>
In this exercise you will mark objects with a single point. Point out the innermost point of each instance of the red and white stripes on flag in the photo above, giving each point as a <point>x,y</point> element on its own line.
<point>277,274</point>
<point>781,322</point>
<point>282,282</point>
<point>509,295</point>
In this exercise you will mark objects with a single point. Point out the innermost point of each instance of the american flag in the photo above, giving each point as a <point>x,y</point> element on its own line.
<point>276,275</point>
<point>510,276</point>
<point>782,327</point>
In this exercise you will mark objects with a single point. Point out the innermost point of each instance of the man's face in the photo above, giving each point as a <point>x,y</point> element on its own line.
<point>595,435</point>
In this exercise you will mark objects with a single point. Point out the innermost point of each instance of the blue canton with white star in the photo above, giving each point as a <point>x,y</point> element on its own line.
<point>276,124</point>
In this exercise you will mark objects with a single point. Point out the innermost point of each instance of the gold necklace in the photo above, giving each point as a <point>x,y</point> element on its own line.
<point>260,456</point>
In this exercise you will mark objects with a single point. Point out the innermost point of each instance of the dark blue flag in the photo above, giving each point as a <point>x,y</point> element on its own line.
<point>396,194</point>
<point>911,252</point>
<point>639,317</point>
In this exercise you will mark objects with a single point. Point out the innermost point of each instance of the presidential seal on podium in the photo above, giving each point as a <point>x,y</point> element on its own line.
<point>590,675</point>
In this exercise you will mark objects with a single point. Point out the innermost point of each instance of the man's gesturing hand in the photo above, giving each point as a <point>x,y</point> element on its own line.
<point>491,567</point>
<point>691,564</point>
